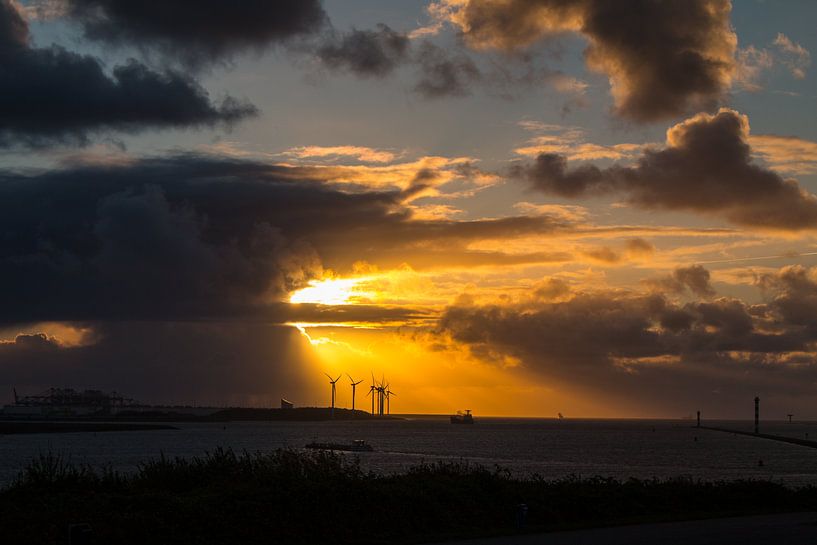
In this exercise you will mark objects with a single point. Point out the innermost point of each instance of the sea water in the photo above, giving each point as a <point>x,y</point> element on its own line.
<point>550,448</point>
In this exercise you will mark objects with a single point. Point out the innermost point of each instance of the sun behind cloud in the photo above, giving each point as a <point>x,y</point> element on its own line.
<point>331,291</point>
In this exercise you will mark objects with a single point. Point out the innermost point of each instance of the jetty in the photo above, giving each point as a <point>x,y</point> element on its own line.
<point>756,432</point>
<point>781,438</point>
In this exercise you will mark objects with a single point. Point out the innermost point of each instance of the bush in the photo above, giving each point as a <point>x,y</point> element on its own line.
<point>323,497</point>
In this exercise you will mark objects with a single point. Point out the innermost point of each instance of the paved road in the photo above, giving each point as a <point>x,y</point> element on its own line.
<point>787,529</point>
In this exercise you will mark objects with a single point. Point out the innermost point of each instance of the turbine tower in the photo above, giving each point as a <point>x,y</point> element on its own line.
<point>372,391</point>
<point>381,395</point>
<point>389,393</point>
<point>354,385</point>
<point>332,382</point>
<point>380,399</point>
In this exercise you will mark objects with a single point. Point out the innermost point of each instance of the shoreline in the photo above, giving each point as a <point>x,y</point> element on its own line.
<point>17,427</point>
<point>235,414</point>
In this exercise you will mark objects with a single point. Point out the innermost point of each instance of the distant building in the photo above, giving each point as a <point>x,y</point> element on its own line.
<point>286,404</point>
<point>69,402</point>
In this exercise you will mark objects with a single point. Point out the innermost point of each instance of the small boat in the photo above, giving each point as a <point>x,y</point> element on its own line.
<point>462,417</point>
<point>357,445</point>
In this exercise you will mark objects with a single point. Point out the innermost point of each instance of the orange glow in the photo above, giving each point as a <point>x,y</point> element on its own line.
<point>332,291</point>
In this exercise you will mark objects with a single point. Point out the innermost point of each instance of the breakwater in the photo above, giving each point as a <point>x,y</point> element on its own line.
<point>781,438</point>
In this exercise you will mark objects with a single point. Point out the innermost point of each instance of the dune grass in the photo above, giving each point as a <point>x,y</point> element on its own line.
<point>321,497</point>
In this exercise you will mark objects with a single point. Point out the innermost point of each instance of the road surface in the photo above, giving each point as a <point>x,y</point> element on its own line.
<point>787,529</point>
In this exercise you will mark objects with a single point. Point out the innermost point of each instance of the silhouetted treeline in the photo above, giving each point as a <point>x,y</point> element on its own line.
<point>321,497</point>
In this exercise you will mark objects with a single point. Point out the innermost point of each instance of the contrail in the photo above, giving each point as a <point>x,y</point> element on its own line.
<point>782,256</point>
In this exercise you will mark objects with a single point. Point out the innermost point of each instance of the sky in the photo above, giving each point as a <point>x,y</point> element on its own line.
<point>519,207</point>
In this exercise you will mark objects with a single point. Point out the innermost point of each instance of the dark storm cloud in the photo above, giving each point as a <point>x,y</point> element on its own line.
<point>706,168</point>
<point>214,31</point>
<point>13,28</point>
<point>52,95</point>
<point>595,329</point>
<point>167,362</point>
<point>647,348</point>
<point>198,33</point>
<point>663,59</point>
<point>365,52</point>
<point>190,237</point>
<point>179,268</point>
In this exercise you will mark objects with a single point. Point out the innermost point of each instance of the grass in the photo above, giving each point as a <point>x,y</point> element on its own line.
<point>320,497</point>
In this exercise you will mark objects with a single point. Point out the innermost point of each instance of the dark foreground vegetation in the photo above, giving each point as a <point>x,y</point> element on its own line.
<point>320,497</point>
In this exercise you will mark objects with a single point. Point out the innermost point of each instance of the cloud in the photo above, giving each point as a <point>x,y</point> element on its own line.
<point>53,96</point>
<point>694,278</point>
<point>595,328</point>
<point>603,254</point>
<point>378,53</point>
<point>786,154</point>
<point>793,295</point>
<point>444,75</point>
<point>439,72</point>
<point>706,167</point>
<point>211,31</point>
<point>365,154</point>
<point>423,177</point>
<point>796,57</point>
<point>663,59</point>
<point>629,347</point>
<point>635,249</point>
<point>365,52</point>
<point>752,63</point>
<point>639,248</point>
<point>201,363</point>
<point>574,149</point>
<point>566,211</point>
<point>193,237</point>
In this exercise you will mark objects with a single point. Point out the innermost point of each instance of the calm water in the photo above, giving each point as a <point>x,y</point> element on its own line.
<point>617,448</point>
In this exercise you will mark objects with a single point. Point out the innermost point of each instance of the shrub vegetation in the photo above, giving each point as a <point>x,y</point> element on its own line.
<point>322,497</point>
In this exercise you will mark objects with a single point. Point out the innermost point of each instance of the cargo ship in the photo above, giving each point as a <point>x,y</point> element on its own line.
<point>462,417</point>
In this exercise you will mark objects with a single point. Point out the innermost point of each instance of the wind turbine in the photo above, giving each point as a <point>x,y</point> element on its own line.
<point>389,393</point>
<point>381,394</point>
<point>354,385</point>
<point>332,382</point>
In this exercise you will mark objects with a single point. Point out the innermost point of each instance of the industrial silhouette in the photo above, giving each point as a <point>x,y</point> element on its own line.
<point>389,393</point>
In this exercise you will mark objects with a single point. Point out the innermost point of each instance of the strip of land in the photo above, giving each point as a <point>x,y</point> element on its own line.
<point>8,428</point>
<point>185,414</point>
